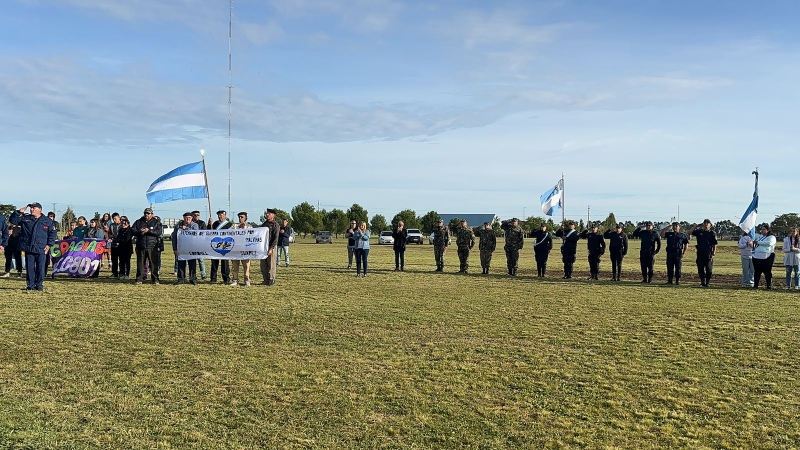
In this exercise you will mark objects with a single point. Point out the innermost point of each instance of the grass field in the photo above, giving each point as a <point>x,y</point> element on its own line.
<point>410,359</point>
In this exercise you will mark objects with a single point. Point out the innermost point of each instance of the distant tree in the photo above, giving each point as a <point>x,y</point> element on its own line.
<point>357,213</point>
<point>629,227</point>
<point>454,225</point>
<point>305,219</point>
<point>7,209</point>
<point>377,224</point>
<point>580,226</point>
<point>610,223</point>
<point>336,220</point>
<point>96,215</point>
<point>726,228</point>
<point>782,223</point>
<point>67,217</point>
<point>428,221</point>
<point>408,217</point>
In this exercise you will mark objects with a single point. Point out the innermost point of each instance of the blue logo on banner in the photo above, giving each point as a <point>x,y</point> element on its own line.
<point>222,245</point>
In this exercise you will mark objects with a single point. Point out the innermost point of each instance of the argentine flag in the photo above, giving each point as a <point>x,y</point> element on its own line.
<point>551,200</point>
<point>748,222</point>
<point>184,183</point>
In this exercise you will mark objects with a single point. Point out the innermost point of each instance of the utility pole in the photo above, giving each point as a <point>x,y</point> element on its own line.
<point>588,208</point>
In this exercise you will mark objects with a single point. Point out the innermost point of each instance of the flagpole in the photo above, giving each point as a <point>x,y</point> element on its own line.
<point>563,210</point>
<point>205,178</point>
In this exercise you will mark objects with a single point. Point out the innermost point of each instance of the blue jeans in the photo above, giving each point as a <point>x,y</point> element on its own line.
<point>285,250</point>
<point>790,278</point>
<point>361,257</point>
<point>747,272</point>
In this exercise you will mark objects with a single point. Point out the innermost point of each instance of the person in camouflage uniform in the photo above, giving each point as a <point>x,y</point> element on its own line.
<point>465,240</point>
<point>514,242</point>
<point>441,239</point>
<point>487,246</point>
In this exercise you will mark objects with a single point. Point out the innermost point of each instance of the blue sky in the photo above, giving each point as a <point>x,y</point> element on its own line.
<point>648,108</point>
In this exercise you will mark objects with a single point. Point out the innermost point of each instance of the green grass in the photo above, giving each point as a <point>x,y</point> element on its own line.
<point>401,360</point>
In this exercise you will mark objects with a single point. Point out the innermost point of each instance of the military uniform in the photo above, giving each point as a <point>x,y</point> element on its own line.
<point>651,245</point>
<point>465,240</point>
<point>441,239</point>
<point>487,246</point>
<point>541,250</point>
<point>706,243</point>
<point>514,242</point>
<point>677,242</point>
<point>569,246</point>
<point>617,249</point>
<point>596,246</point>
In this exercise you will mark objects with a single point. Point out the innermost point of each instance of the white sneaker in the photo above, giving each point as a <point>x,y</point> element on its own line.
<point>5,275</point>
<point>247,283</point>
<point>233,283</point>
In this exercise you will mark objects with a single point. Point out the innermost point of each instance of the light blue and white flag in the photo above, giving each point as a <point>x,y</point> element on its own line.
<point>184,183</point>
<point>551,200</point>
<point>748,222</point>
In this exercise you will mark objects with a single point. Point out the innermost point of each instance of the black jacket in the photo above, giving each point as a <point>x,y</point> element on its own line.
<point>594,243</point>
<point>570,244</point>
<point>544,242</point>
<point>149,239</point>
<point>651,241</point>
<point>617,242</point>
<point>400,237</point>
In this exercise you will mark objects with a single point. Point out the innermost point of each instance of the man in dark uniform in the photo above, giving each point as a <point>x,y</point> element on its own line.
<point>617,248</point>
<point>651,245</point>
<point>487,246</point>
<point>677,243</point>
<point>465,240</point>
<point>569,247</point>
<point>541,248</point>
<point>222,223</point>
<point>37,236</point>
<point>596,246</point>
<point>706,250</point>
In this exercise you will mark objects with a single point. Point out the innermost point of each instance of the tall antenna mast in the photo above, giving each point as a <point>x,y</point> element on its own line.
<point>230,90</point>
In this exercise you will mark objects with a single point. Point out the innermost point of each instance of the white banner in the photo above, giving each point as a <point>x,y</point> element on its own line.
<point>232,243</point>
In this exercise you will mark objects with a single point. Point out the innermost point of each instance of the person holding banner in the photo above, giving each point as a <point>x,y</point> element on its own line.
<point>37,235</point>
<point>96,231</point>
<point>221,224</point>
<point>244,263</point>
<point>201,262</point>
<point>269,266</point>
<point>186,224</point>
<point>147,231</point>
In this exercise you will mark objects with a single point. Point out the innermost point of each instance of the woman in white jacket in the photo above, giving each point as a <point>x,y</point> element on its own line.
<point>791,258</point>
<point>746,250</point>
<point>763,256</point>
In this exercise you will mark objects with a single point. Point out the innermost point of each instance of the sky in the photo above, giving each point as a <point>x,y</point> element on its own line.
<point>650,109</point>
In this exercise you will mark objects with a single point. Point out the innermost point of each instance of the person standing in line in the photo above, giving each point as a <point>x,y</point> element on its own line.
<point>222,223</point>
<point>543,243</point>
<point>791,258</point>
<point>245,263</point>
<point>70,232</point>
<point>96,231</point>
<point>400,235</point>
<point>82,228</point>
<point>4,235</point>
<point>201,262</point>
<point>651,245</point>
<point>763,256</point>
<point>441,239</point>
<point>596,246</point>
<point>186,224</point>
<point>269,266</point>
<point>13,252</point>
<point>284,233</point>
<point>706,250</point>
<point>112,231</point>
<point>362,248</point>
<point>617,248</point>
<point>465,240</point>
<point>677,244</point>
<point>351,242</point>
<point>514,241</point>
<point>104,223</point>
<point>147,231</point>
<point>124,241</point>
<point>47,261</point>
<point>745,246</point>
<point>569,246</point>
<point>487,246</point>
<point>37,235</point>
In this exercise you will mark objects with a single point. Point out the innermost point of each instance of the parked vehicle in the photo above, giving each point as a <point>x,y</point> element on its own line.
<point>414,236</point>
<point>386,237</point>
<point>292,237</point>
<point>324,237</point>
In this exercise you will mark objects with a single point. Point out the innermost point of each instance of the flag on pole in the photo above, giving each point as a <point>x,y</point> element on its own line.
<point>551,200</point>
<point>748,222</point>
<point>184,183</point>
